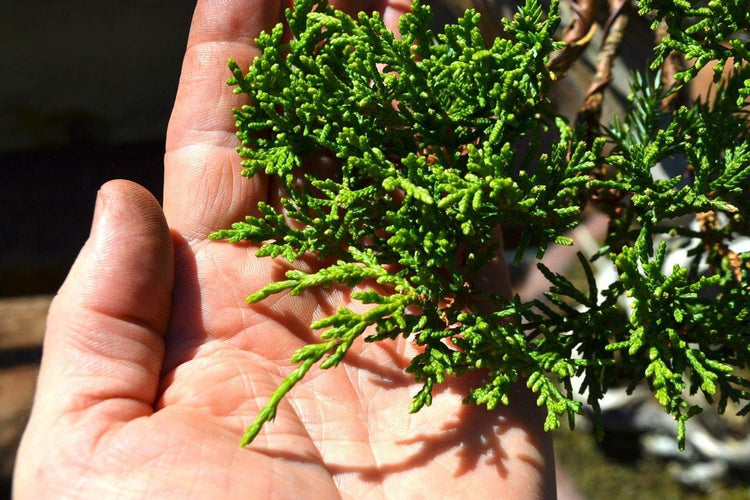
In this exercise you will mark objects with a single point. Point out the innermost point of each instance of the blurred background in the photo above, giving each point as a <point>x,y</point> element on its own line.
<point>86,89</point>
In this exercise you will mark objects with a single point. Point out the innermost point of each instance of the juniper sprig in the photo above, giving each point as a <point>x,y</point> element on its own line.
<point>437,140</point>
<point>705,32</point>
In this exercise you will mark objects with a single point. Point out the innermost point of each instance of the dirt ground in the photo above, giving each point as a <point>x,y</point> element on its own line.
<point>21,329</point>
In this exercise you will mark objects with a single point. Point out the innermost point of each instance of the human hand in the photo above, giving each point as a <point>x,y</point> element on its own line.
<point>154,365</point>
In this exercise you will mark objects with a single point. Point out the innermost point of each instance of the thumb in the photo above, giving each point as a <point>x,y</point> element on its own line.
<point>104,347</point>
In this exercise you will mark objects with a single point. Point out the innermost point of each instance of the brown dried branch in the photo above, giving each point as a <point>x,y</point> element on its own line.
<point>577,36</point>
<point>614,32</point>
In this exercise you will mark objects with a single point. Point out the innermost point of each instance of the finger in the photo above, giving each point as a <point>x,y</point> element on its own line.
<point>103,348</point>
<point>202,187</point>
<point>391,10</point>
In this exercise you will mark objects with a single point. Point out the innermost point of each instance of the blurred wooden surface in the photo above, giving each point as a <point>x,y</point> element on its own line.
<point>22,321</point>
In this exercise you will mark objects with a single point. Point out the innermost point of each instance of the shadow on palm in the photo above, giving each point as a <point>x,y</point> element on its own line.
<point>354,418</point>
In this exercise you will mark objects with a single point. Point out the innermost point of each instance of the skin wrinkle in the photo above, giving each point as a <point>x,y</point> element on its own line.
<point>220,138</point>
<point>210,208</point>
<point>233,183</point>
<point>204,221</point>
<point>177,453</point>
<point>204,47</point>
<point>95,340</point>
<point>153,340</point>
<point>327,401</point>
<point>378,462</point>
<point>129,304</point>
<point>247,339</point>
<point>245,379</point>
<point>232,311</point>
<point>286,311</point>
<point>89,337</point>
<point>79,457</point>
<point>305,392</point>
<point>221,21</point>
<point>119,409</point>
<point>108,384</point>
<point>281,458</point>
<point>206,359</point>
<point>117,450</point>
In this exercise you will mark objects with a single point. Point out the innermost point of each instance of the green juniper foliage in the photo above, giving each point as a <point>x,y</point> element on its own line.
<point>438,140</point>
<point>718,32</point>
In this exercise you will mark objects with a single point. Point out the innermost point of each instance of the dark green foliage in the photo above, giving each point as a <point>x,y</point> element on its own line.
<point>704,31</point>
<point>437,140</point>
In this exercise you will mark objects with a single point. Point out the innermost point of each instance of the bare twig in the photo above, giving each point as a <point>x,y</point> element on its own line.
<point>577,36</point>
<point>614,31</point>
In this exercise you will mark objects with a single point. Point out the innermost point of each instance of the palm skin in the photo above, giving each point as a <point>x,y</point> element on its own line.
<point>154,365</point>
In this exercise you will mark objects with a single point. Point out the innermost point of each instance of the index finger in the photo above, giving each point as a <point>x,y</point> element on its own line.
<point>202,191</point>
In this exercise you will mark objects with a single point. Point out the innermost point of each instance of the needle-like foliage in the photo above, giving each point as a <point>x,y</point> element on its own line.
<point>716,31</point>
<point>434,141</point>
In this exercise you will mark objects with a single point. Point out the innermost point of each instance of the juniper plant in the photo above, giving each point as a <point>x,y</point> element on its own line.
<point>439,139</point>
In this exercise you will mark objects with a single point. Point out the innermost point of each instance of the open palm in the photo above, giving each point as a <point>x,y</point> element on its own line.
<point>154,365</point>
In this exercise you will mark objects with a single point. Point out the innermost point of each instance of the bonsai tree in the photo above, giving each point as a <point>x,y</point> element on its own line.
<point>399,157</point>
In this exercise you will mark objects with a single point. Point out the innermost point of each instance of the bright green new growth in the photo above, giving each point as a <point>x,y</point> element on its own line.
<point>437,141</point>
